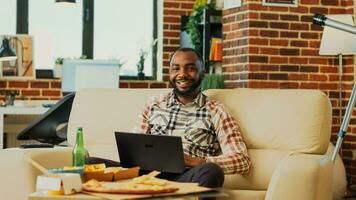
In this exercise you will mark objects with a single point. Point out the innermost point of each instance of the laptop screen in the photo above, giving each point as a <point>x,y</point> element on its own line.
<point>150,152</point>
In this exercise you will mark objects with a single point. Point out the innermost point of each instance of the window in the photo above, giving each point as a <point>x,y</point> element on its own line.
<point>8,21</point>
<point>57,31</point>
<point>119,30</point>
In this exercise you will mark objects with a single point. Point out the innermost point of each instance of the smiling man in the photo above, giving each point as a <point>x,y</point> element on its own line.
<point>212,142</point>
<point>186,74</point>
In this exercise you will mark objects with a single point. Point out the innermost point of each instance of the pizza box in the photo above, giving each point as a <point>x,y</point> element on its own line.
<point>59,184</point>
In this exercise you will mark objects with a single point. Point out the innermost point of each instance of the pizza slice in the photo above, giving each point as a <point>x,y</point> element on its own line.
<point>146,184</point>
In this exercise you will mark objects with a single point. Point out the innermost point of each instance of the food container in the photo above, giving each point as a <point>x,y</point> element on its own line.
<point>59,184</point>
<point>76,170</point>
<point>112,174</point>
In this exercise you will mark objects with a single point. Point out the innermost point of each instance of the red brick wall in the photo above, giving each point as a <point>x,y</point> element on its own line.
<point>278,47</point>
<point>173,10</point>
<point>33,89</point>
<point>235,49</point>
<point>48,89</point>
<point>143,84</point>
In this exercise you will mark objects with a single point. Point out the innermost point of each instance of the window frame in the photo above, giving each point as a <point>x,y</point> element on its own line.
<point>88,31</point>
<point>22,17</point>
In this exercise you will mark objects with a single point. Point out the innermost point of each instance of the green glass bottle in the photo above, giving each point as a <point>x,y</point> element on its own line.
<point>79,152</point>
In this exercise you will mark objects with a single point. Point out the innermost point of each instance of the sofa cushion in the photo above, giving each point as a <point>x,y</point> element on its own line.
<point>264,162</point>
<point>245,194</point>
<point>296,120</point>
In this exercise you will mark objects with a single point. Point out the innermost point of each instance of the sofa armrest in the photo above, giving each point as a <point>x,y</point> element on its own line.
<point>18,177</point>
<point>302,176</point>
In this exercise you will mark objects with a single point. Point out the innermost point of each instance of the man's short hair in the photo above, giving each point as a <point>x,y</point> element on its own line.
<point>188,49</point>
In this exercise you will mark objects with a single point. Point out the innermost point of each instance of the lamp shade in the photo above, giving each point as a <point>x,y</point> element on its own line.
<point>335,41</point>
<point>6,53</point>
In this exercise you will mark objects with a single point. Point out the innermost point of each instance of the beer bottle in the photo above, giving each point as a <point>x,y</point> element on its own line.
<point>79,152</point>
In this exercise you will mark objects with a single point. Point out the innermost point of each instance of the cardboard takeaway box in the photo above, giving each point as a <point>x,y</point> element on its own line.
<point>112,174</point>
<point>59,184</point>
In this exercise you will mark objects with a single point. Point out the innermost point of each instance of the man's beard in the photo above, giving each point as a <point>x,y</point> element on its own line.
<point>186,93</point>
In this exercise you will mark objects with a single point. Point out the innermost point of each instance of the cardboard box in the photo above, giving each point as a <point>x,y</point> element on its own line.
<point>127,173</point>
<point>112,174</point>
<point>99,175</point>
<point>65,183</point>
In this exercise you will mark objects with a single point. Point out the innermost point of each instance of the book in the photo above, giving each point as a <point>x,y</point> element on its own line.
<point>215,49</point>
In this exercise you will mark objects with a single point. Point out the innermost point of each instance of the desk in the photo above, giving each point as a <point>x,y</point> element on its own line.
<point>14,110</point>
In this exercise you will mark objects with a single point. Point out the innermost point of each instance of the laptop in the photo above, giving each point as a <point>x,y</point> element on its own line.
<point>150,152</point>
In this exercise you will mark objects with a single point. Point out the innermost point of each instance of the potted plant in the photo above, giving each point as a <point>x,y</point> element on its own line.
<point>120,62</point>
<point>59,61</point>
<point>212,81</point>
<point>83,57</point>
<point>195,19</point>
<point>58,67</point>
<point>141,64</point>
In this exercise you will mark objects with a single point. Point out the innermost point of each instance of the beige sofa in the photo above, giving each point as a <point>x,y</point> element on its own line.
<point>287,133</point>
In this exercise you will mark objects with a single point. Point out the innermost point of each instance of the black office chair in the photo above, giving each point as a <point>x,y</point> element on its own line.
<point>50,128</point>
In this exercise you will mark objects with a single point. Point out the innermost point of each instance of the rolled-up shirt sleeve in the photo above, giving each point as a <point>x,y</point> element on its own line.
<point>142,125</point>
<point>234,158</point>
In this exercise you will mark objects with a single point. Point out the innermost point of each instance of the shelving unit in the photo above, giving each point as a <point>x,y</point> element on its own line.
<point>210,27</point>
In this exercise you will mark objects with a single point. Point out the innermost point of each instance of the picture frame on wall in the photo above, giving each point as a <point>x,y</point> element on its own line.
<point>16,56</point>
<point>282,3</point>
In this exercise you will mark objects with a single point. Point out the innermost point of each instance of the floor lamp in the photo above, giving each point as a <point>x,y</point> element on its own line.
<point>338,42</point>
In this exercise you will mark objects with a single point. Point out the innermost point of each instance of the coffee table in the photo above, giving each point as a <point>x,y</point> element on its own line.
<point>82,196</point>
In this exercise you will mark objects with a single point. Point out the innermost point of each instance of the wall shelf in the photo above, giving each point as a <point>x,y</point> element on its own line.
<point>210,27</point>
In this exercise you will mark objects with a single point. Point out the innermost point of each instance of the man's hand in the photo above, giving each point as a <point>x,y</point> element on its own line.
<point>193,161</point>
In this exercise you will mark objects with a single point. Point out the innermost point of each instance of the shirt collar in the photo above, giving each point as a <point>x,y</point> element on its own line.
<point>198,101</point>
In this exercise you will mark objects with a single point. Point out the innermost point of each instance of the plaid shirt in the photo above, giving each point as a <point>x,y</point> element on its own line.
<point>206,128</point>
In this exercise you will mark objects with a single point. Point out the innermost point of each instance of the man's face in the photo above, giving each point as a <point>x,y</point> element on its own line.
<point>185,73</point>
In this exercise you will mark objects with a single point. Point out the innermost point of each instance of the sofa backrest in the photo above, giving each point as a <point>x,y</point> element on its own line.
<point>296,120</point>
<point>290,119</point>
<point>101,112</point>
